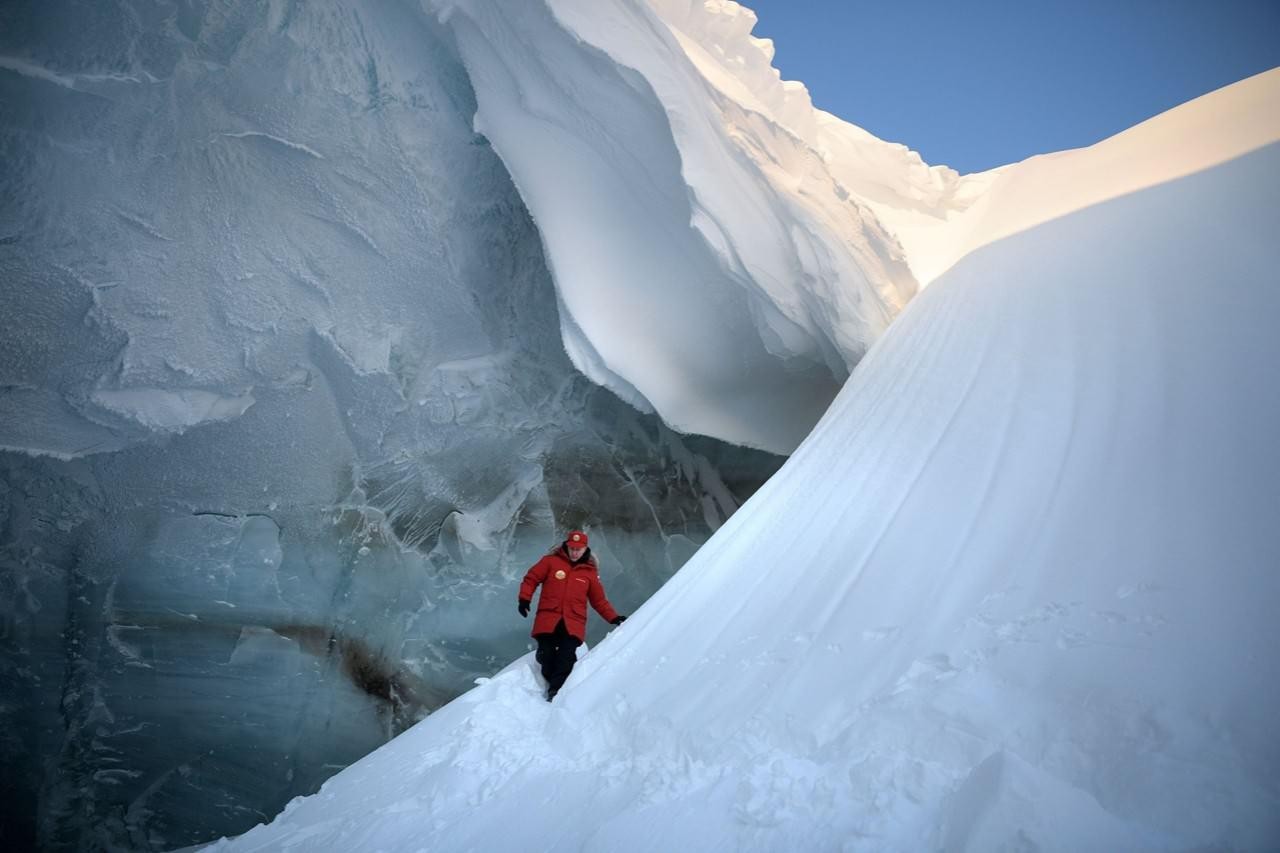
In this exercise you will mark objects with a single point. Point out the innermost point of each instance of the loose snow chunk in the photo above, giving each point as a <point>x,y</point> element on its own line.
<point>173,411</point>
<point>367,350</point>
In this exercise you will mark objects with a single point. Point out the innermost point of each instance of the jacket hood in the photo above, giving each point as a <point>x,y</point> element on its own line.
<point>587,557</point>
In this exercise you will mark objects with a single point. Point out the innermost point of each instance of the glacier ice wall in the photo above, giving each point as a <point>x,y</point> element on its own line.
<point>284,410</point>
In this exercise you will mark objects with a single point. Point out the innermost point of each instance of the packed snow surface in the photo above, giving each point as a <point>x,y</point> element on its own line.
<point>1016,590</point>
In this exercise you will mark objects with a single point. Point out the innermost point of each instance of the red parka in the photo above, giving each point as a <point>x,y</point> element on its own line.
<point>566,588</point>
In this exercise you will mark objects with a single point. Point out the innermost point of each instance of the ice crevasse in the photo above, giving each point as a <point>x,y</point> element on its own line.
<point>1014,590</point>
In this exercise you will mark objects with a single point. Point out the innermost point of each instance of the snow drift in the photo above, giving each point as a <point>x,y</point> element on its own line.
<point>1016,589</point>
<point>708,264</point>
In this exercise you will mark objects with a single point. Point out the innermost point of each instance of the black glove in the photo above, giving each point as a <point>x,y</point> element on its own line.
<point>618,620</point>
<point>524,607</point>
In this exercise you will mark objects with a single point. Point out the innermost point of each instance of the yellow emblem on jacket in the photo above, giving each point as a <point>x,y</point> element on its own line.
<point>559,574</point>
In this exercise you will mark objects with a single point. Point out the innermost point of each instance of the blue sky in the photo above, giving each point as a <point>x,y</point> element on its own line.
<point>979,84</point>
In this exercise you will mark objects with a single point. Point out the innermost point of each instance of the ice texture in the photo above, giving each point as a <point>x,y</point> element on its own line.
<point>284,411</point>
<point>1016,590</point>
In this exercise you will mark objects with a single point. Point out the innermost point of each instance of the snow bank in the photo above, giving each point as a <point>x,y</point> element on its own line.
<point>1017,589</point>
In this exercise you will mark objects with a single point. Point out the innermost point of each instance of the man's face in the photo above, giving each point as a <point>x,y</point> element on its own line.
<point>576,551</point>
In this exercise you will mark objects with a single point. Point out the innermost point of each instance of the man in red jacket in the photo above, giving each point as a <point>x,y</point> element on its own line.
<point>570,577</point>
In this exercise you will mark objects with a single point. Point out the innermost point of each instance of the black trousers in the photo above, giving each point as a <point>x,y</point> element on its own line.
<point>557,652</point>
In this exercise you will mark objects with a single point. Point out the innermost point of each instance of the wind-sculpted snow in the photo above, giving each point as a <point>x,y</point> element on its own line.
<point>708,264</point>
<point>1016,590</point>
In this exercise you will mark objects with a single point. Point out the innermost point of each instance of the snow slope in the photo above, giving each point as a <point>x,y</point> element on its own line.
<point>1016,590</point>
<point>1201,133</point>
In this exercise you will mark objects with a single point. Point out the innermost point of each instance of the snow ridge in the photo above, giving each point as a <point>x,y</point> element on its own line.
<point>722,29</point>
